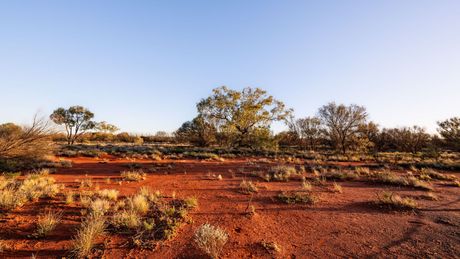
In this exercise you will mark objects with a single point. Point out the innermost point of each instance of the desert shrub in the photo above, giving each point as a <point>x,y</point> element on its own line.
<point>24,147</point>
<point>390,178</point>
<point>416,183</point>
<point>191,202</point>
<point>337,187</point>
<point>129,219</point>
<point>362,171</point>
<point>432,174</point>
<point>86,237</point>
<point>281,173</point>
<point>247,187</point>
<point>210,239</point>
<point>47,222</point>
<point>395,201</point>
<point>306,185</point>
<point>135,176</point>
<point>429,196</point>
<point>69,198</point>
<point>39,185</point>
<point>455,183</point>
<point>99,207</point>
<point>271,247</point>
<point>202,155</point>
<point>86,183</point>
<point>109,194</point>
<point>139,203</point>
<point>297,197</point>
<point>9,198</point>
<point>341,176</point>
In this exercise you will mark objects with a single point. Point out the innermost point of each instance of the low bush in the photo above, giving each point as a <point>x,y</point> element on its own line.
<point>297,197</point>
<point>129,219</point>
<point>210,239</point>
<point>394,201</point>
<point>134,176</point>
<point>109,194</point>
<point>432,174</point>
<point>390,178</point>
<point>47,222</point>
<point>281,173</point>
<point>247,187</point>
<point>83,243</point>
<point>337,187</point>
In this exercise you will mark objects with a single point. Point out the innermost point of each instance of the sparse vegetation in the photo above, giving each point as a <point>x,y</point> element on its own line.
<point>337,188</point>
<point>210,239</point>
<point>297,197</point>
<point>134,176</point>
<point>394,201</point>
<point>247,187</point>
<point>281,173</point>
<point>108,194</point>
<point>47,222</point>
<point>92,228</point>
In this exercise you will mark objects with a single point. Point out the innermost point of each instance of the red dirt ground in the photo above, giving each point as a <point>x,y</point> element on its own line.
<point>340,225</point>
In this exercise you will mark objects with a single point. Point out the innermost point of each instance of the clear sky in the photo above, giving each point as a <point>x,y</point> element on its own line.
<point>143,65</point>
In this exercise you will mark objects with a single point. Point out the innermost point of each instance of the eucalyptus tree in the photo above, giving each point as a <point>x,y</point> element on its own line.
<point>241,116</point>
<point>76,120</point>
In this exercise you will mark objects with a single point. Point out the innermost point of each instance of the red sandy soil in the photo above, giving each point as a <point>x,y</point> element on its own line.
<point>340,225</point>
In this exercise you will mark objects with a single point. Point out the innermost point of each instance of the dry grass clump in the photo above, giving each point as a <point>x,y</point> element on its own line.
<point>455,183</point>
<point>86,183</point>
<point>99,207</point>
<point>210,239</point>
<point>47,222</point>
<point>429,196</point>
<point>126,219</point>
<point>282,173</point>
<point>69,198</point>
<point>10,199</point>
<point>428,173</point>
<point>340,175</point>
<point>306,185</point>
<point>390,178</point>
<point>191,202</point>
<point>134,176</point>
<point>109,194</point>
<point>139,203</point>
<point>337,188</point>
<point>297,197</point>
<point>247,187</point>
<point>83,243</point>
<point>362,171</point>
<point>39,185</point>
<point>14,193</point>
<point>394,201</point>
<point>271,247</point>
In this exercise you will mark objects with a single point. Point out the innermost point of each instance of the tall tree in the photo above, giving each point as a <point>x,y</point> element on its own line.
<point>308,131</point>
<point>407,139</point>
<point>76,119</point>
<point>239,114</point>
<point>197,132</point>
<point>450,132</point>
<point>105,127</point>
<point>342,123</point>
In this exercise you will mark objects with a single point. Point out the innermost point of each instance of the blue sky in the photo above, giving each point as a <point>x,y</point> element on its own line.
<point>143,65</point>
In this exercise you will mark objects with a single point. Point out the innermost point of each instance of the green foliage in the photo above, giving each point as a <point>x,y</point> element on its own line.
<point>237,115</point>
<point>76,119</point>
<point>450,132</point>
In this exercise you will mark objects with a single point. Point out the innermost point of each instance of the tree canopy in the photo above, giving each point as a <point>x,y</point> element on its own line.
<point>240,114</point>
